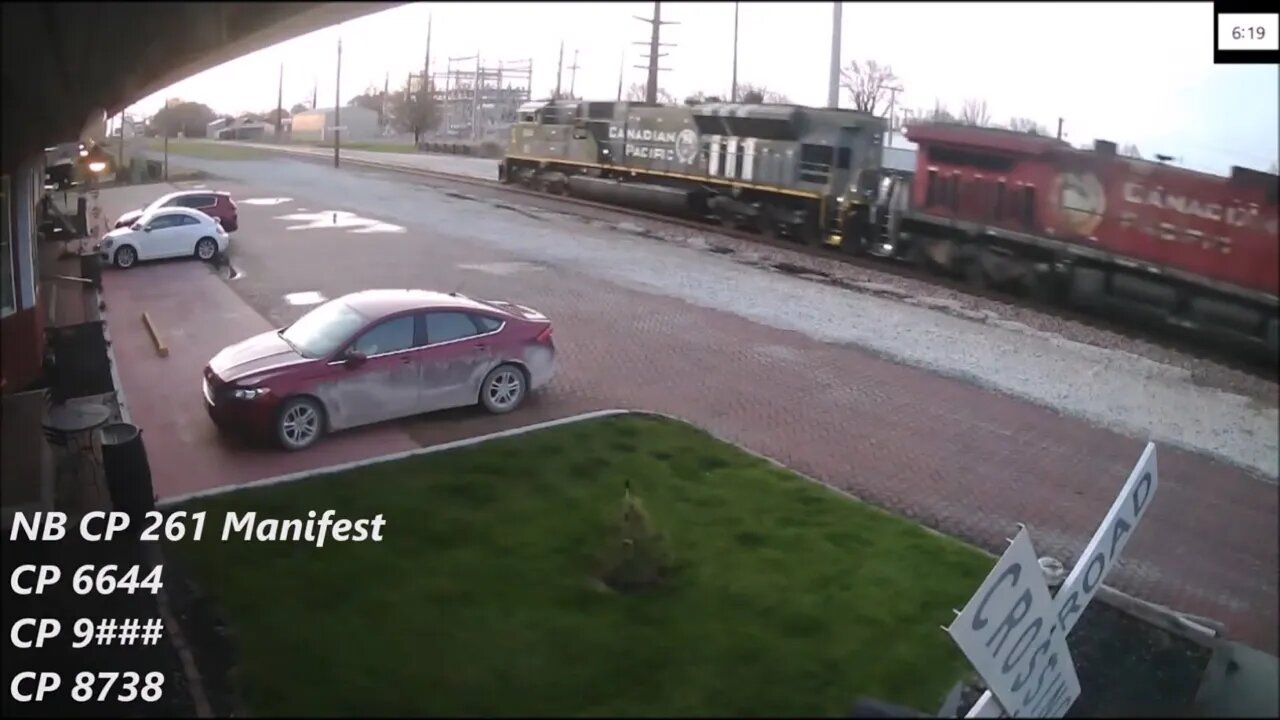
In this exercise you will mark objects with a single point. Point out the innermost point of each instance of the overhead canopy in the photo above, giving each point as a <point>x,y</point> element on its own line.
<point>65,63</point>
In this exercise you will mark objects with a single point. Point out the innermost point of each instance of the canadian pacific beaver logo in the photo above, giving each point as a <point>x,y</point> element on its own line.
<point>687,146</point>
<point>1081,200</point>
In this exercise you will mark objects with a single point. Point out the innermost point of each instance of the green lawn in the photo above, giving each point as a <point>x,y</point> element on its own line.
<point>784,598</point>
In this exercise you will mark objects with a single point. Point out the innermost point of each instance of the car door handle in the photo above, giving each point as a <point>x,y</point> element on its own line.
<point>481,346</point>
<point>406,360</point>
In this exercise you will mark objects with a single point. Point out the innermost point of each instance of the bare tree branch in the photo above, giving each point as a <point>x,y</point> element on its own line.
<point>974,112</point>
<point>867,84</point>
<point>1028,126</point>
<point>701,97</point>
<point>636,93</point>
<point>939,113</point>
<point>751,93</point>
<point>1131,150</point>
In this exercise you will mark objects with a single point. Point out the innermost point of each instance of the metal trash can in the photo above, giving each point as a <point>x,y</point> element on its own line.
<point>124,462</point>
<point>91,268</point>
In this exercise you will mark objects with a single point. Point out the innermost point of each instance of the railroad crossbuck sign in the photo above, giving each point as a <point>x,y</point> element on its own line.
<point>1016,637</point>
<point>1009,631</point>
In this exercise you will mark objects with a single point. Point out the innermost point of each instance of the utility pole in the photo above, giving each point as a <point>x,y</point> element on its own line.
<point>315,93</point>
<point>651,86</point>
<point>337,106</point>
<point>559,69</point>
<point>382,113</point>
<point>833,82</point>
<point>622,63</point>
<point>733,93</point>
<point>120,163</point>
<point>280,103</point>
<point>1059,128</point>
<point>573,74</point>
<point>893,99</point>
<point>424,94</point>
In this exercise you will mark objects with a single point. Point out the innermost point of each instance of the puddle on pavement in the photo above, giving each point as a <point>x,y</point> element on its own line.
<point>339,219</point>
<point>267,201</point>
<point>309,297</point>
<point>460,196</point>
<point>721,250</point>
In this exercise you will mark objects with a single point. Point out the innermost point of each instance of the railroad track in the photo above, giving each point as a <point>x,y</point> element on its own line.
<point>1223,351</point>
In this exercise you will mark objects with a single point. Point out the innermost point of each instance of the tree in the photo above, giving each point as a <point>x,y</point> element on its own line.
<point>1131,150</point>
<point>1028,126</point>
<point>756,94</point>
<point>867,84</point>
<point>412,112</point>
<point>299,107</point>
<point>189,118</point>
<point>939,113</point>
<point>269,117</point>
<point>700,97</point>
<point>371,99</point>
<point>1274,169</point>
<point>564,95</point>
<point>636,93</point>
<point>974,112</point>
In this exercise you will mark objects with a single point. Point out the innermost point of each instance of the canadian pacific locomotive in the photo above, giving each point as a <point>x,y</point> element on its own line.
<point>1000,208</point>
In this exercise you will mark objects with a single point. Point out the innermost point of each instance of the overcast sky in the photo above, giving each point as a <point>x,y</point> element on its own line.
<point>1138,73</point>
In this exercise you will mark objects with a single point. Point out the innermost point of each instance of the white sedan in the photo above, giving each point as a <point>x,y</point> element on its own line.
<point>165,233</point>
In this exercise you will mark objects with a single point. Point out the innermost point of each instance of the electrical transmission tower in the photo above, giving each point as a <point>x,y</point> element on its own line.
<point>651,87</point>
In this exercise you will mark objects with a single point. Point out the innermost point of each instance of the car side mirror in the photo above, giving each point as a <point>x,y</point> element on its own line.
<point>136,226</point>
<point>146,229</point>
<point>353,359</point>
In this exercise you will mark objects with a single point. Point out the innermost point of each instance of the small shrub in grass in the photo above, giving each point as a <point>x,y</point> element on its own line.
<point>637,557</point>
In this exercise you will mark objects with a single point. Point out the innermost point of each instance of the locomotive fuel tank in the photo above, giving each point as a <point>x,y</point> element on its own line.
<point>655,198</point>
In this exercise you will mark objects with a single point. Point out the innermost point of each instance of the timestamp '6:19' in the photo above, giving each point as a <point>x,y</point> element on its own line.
<point>1248,33</point>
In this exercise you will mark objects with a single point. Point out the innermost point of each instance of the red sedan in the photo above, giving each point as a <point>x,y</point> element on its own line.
<point>378,355</point>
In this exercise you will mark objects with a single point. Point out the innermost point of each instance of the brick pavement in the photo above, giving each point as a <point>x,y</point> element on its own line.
<point>955,457</point>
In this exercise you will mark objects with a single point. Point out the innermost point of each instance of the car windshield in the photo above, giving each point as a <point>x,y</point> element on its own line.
<point>319,332</point>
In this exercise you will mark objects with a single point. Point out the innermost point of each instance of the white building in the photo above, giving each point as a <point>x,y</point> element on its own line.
<point>317,125</point>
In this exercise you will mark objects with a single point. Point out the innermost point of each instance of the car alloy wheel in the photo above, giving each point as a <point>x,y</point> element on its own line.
<point>300,424</point>
<point>206,249</point>
<point>126,256</point>
<point>503,390</point>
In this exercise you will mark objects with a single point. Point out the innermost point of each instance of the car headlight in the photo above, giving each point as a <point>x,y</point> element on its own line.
<point>106,244</point>
<point>249,393</point>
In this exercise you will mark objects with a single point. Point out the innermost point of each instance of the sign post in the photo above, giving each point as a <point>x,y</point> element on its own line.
<point>1097,560</point>
<point>1010,632</point>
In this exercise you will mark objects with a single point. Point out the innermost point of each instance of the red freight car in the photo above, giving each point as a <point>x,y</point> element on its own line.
<point>1005,207</point>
